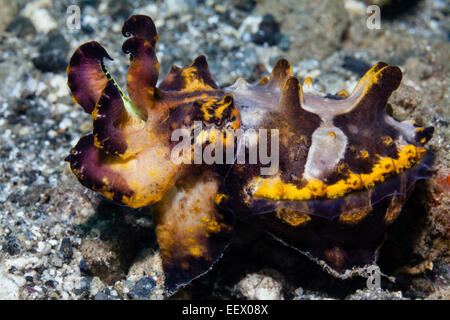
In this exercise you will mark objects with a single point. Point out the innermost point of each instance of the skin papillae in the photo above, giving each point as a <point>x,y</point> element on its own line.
<point>345,166</point>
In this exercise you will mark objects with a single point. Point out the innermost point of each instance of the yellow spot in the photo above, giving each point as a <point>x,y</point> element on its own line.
<point>364,154</point>
<point>263,81</point>
<point>353,217</point>
<point>294,218</point>
<point>129,153</point>
<point>97,143</point>
<point>220,197</point>
<point>332,134</point>
<point>141,196</point>
<point>105,190</point>
<point>423,140</point>
<point>211,225</point>
<point>308,82</point>
<point>195,251</point>
<point>95,112</point>
<point>152,173</point>
<point>108,194</point>
<point>343,94</point>
<point>387,141</point>
<point>275,188</point>
<point>75,100</point>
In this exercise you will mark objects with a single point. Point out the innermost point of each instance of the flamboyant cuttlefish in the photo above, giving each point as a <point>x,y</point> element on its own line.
<point>344,166</point>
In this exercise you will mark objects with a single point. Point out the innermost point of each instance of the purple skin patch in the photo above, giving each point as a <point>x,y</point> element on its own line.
<point>86,78</point>
<point>109,114</point>
<point>345,166</point>
<point>88,163</point>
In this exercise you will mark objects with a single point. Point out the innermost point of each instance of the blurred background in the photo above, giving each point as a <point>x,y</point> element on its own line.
<point>60,241</point>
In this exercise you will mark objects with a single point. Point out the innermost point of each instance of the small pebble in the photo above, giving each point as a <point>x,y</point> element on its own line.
<point>142,289</point>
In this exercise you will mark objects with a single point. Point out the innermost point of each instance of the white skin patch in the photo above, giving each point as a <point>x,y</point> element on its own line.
<point>327,148</point>
<point>406,127</point>
<point>328,142</point>
<point>254,102</point>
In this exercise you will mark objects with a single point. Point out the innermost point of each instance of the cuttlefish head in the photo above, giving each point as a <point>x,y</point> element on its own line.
<point>128,157</point>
